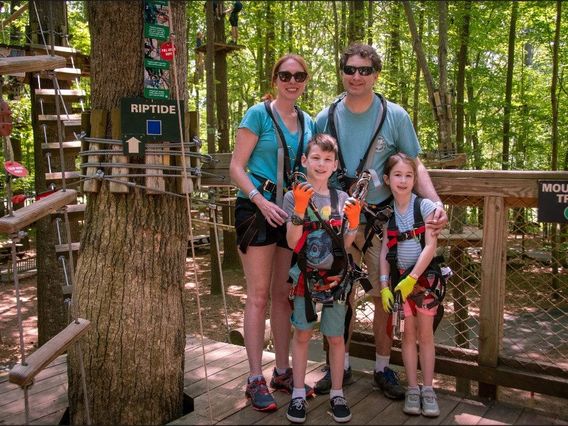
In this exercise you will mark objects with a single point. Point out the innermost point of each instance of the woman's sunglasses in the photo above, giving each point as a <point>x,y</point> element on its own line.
<point>350,70</point>
<point>286,76</point>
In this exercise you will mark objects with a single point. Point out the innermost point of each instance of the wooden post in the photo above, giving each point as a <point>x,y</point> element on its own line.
<point>492,287</point>
<point>121,158</point>
<point>98,130</point>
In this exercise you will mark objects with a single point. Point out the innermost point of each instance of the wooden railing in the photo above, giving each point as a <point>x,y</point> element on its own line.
<point>495,192</point>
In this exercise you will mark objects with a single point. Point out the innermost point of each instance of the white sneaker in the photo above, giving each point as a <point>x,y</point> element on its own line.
<point>412,402</point>
<point>429,403</point>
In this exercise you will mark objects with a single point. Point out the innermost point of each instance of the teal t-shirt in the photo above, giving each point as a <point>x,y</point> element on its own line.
<point>354,135</point>
<point>263,160</point>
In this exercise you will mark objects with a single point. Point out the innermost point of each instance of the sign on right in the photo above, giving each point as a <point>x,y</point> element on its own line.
<point>553,201</point>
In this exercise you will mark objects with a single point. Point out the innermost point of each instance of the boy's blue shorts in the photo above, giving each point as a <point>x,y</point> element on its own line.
<point>332,318</point>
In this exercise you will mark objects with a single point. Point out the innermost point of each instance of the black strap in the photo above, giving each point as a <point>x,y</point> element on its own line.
<point>333,131</point>
<point>281,139</point>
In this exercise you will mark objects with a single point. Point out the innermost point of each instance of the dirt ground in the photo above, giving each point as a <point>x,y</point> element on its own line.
<point>214,324</point>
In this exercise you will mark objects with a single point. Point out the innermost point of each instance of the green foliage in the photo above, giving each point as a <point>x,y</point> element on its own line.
<point>79,36</point>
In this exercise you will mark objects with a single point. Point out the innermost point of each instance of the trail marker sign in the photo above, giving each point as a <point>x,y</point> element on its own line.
<point>553,201</point>
<point>148,120</point>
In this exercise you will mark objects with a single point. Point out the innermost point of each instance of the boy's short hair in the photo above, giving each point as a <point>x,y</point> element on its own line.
<point>326,143</point>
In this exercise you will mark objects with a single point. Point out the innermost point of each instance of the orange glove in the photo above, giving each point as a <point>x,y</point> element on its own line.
<point>352,212</point>
<point>302,194</point>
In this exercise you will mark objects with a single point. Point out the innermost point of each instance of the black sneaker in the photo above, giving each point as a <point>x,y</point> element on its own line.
<point>297,410</point>
<point>323,385</point>
<point>285,382</point>
<point>388,382</point>
<point>339,409</point>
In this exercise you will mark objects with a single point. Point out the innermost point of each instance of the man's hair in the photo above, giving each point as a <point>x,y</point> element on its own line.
<point>326,143</point>
<point>363,50</point>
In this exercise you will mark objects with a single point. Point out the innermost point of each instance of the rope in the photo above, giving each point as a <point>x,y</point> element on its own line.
<point>188,206</point>
<point>213,214</point>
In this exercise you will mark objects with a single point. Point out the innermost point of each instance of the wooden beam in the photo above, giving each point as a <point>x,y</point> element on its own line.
<point>29,214</point>
<point>17,64</point>
<point>15,15</point>
<point>23,374</point>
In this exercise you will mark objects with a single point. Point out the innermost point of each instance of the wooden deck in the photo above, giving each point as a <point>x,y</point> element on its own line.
<point>227,370</point>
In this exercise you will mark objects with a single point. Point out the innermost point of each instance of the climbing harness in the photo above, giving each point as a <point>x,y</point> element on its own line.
<point>432,280</point>
<point>345,181</point>
<point>322,286</point>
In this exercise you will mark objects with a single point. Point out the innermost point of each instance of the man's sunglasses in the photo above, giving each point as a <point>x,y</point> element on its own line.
<point>350,70</point>
<point>286,76</point>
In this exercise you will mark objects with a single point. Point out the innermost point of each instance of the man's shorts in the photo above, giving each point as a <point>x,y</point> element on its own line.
<point>371,258</point>
<point>332,318</point>
<point>248,218</point>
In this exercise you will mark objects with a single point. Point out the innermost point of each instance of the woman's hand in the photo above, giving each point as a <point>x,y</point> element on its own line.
<point>273,214</point>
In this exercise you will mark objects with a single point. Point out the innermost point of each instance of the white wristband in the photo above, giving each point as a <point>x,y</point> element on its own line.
<point>384,278</point>
<point>252,193</point>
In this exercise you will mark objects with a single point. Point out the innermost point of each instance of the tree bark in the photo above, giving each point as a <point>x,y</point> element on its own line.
<point>509,88</point>
<point>460,85</point>
<point>130,274</point>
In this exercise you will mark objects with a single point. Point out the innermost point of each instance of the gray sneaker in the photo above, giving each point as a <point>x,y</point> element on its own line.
<point>430,403</point>
<point>412,402</point>
<point>323,385</point>
<point>388,382</point>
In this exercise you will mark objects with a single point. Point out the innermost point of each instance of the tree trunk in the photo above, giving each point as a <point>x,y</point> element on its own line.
<point>337,49</point>
<point>131,270</point>
<point>356,31</point>
<point>269,58</point>
<point>460,86</point>
<point>210,79</point>
<point>416,94</point>
<point>509,88</point>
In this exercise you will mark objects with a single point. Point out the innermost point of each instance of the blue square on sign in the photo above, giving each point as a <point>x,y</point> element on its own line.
<point>153,127</point>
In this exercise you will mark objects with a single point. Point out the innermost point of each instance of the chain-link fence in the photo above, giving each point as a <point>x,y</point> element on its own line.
<point>532,327</point>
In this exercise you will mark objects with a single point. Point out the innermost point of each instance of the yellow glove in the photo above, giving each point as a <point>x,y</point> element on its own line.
<point>387,298</point>
<point>405,287</point>
<point>302,194</point>
<point>352,212</point>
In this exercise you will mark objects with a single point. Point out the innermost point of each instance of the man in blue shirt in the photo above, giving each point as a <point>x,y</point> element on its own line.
<point>369,129</point>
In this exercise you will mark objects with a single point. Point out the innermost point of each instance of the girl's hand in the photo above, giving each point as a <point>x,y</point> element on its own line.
<point>405,287</point>
<point>388,299</point>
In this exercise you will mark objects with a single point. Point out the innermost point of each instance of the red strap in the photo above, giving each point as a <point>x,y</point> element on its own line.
<point>301,241</point>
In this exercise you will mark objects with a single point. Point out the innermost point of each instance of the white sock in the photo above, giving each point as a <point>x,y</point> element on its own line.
<point>299,393</point>
<point>346,361</point>
<point>281,371</point>
<point>381,362</point>
<point>333,393</point>
<point>427,388</point>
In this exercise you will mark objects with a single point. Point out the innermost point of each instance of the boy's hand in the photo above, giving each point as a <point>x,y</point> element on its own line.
<point>405,287</point>
<point>302,194</point>
<point>388,299</point>
<point>352,212</point>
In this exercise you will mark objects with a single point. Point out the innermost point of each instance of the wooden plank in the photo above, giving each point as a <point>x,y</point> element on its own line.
<point>69,145</point>
<point>118,184</point>
<point>15,15</point>
<point>98,130</point>
<point>19,64</point>
<point>467,413</point>
<point>61,50</point>
<point>155,183</point>
<point>23,375</point>
<point>500,414</point>
<point>59,175</point>
<point>493,280</point>
<point>29,214</point>
<point>64,248</point>
<point>67,94</point>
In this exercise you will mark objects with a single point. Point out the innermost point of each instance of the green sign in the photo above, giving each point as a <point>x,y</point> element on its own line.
<point>553,201</point>
<point>147,120</point>
<point>156,63</point>
<point>159,32</point>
